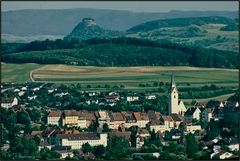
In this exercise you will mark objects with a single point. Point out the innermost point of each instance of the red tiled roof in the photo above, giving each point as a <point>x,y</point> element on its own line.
<point>167,118</point>
<point>87,115</point>
<point>117,116</point>
<point>70,113</point>
<point>140,116</point>
<point>55,114</point>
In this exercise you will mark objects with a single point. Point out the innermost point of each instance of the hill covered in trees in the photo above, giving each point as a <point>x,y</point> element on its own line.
<point>179,22</point>
<point>123,52</point>
<point>88,29</point>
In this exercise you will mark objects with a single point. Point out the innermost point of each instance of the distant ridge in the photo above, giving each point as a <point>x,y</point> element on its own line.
<point>61,22</point>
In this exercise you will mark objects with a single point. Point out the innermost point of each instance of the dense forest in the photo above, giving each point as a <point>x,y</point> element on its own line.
<point>120,52</point>
<point>179,22</point>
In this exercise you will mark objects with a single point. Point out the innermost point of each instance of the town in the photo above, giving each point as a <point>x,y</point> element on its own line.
<point>44,121</point>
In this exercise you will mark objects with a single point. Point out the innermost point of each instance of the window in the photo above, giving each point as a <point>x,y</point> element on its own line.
<point>174,96</point>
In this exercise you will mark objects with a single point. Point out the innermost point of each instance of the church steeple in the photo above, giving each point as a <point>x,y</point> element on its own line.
<point>173,97</point>
<point>173,84</point>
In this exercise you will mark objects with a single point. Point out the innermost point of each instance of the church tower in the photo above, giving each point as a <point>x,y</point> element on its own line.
<point>173,97</point>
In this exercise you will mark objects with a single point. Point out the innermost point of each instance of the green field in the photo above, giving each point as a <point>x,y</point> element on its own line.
<point>130,77</point>
<point>17,73</point>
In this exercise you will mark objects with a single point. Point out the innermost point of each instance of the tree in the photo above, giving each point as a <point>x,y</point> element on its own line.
<point>46,154</point>
<point>4,134</point>
<point>86,148</point>
<point>106,128</point>
<point>23,146</point>
<point>23,117</point>
<point>118,148</point>
<point>191,145</point>
<point>99,150</point>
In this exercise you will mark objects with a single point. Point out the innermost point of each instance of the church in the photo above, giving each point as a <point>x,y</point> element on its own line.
<point>175,106</point>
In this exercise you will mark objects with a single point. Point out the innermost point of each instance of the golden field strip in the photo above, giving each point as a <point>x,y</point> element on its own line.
<point>132,76</point>
<point>127,76</point>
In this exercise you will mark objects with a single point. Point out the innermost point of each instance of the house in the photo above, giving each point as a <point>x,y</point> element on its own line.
<point>167,121</point>
<point>156,155</point>
<point>231,106</point>
<point>129,119</point>
<point>152,115</point>
<point>141,135</point>
<point>177,119</point>
<point>44,144</point>
<point>193,128</point>
<point>150,97</point>
<point>36,89</point>
<point>9,102</point>
<point>139,142</point>
<point>64,151</point>
<point>5,147</point>
<point>86,118</point>
<point>176,134</point>
<point>221,155</point>
<point>156,125</point>
<point>24,88</point>
<point>232,143</point>
<point>112,97</point>
<point>54,118</point>
<point>75,141</point>
<point>61,94</point>
<point>141,119</point>
<point>214,104</point>
<point>164,123</point>
<point>192,113</point>
<point>103,117</point>
<point>21,93</point>
<point>116,119</point>
<point>32,97</point>
<point>70,118</point>
<point>207,114</point>
<point>92,101</point>
<point>132,97</point>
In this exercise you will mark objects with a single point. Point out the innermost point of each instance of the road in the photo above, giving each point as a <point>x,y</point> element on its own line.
<point>31,76</point>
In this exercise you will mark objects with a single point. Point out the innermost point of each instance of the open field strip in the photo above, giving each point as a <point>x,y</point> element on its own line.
<point>130,77</point>
<point>17,73</point>
<point>220,98</point>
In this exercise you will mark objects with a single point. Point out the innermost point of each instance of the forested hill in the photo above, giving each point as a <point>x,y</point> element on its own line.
<point>180,22</point>
<point>125,52</point>
<point>88,29</point>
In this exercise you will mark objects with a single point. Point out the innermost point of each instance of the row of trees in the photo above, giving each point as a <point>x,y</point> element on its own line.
<point>126,52</point>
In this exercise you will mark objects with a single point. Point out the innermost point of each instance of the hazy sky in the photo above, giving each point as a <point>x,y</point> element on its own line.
<point>132,6</point>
